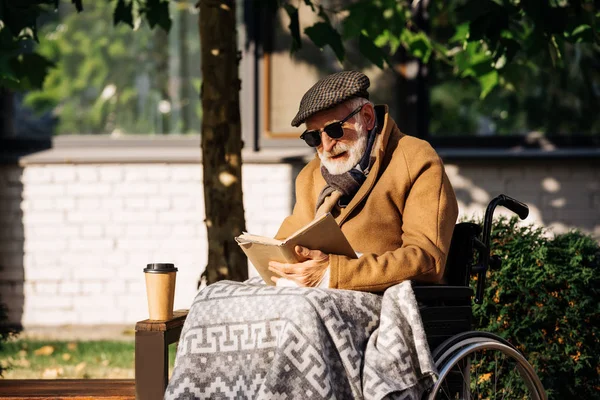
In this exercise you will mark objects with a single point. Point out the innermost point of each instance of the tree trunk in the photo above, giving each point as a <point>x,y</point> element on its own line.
<point>221,140</point>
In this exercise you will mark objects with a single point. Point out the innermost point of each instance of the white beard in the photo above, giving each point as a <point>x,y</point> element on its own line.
<point>355,153</point>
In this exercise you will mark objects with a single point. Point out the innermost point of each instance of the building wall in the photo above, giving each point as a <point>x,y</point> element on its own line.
<point>74,238</point>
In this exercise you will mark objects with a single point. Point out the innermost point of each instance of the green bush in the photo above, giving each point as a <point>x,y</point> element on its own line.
<point>544,300</point>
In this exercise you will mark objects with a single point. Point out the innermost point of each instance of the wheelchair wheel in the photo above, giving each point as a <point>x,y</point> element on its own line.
<point>476,365</point>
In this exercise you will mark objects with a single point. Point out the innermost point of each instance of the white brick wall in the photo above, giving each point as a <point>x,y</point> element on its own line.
<point>75,238</point>
<point>560,195</point>
<point>87,231</point>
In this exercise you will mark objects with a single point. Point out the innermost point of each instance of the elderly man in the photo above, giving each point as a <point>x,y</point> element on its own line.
<point>388,192</point>
<point>393,201</point>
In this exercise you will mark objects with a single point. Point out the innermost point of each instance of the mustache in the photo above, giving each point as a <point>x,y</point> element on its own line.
<point>338,149</point>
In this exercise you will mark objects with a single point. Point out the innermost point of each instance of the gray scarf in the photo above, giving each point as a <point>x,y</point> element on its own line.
<point>348,183</point>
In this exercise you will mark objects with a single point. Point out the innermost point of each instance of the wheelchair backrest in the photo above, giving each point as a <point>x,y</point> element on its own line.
<point>461,255</point>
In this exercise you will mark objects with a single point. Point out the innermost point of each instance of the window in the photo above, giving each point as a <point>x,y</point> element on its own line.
<point>112,79</point>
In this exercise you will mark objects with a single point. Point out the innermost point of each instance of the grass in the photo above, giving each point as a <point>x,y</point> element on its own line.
<point>39,359</point>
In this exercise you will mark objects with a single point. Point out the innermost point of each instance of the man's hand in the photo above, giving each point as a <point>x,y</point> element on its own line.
<point>308,272</point>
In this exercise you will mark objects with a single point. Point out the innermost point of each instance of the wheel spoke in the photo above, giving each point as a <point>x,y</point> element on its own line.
<point>495,375</point>
<point>487,367</point>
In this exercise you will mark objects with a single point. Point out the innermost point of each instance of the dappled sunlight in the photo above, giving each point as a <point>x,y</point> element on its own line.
<point>558,198</point>
<point>551,185</point>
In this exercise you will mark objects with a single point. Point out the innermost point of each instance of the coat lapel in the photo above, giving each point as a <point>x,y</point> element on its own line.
<point>368,184</point>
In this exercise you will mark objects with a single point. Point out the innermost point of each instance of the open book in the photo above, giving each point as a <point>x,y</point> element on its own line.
<point>322,233</point>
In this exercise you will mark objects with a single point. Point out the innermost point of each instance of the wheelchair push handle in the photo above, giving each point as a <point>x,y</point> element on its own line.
<point>514,205</point>
<point>483,264</point>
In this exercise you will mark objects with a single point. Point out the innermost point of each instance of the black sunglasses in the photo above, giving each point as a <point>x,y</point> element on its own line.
<point>334,130</point>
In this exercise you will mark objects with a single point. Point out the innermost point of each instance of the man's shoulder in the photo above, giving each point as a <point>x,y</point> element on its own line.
<point>411,150</point>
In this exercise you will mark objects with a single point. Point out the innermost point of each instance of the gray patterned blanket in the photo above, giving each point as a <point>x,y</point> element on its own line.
<point>252,341</point>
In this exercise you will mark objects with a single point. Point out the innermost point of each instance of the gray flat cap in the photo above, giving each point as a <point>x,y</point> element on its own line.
<point>331,91</point>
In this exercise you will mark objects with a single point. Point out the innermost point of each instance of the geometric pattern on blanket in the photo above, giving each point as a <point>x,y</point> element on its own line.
<point>252,341</point>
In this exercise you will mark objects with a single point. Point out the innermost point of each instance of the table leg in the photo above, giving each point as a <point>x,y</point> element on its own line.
<point>151,365</point>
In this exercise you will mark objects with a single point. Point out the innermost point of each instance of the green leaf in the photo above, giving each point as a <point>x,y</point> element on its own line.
<point>488,82</point>
<point>8,78</point>
<point>8,43</point>
<point>440,48</point>
<point>417,44</point>
<point>461,34</point>
<point>157,13</point>
<point>123,13</point>
<point>294,27</point>
<point>555,52</point>
<point>353,24</point>
<point>323,34</point>
<point>581,33</point>
<point>387,38</point>
<point>18,17</point>
<point>31,70</point>
<point>371,51</point>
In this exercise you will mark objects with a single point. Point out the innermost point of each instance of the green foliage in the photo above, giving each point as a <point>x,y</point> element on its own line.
<point>485,37</point>
<point>19,28</point>
<point>322,34</point>
<point>498,66</point>
<point>524,91</point>
<point>110,79</point>
<point>545,301</point>
<point>479,39</point>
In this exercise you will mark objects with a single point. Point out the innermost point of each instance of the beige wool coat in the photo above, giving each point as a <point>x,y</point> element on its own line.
<point>401,219</point>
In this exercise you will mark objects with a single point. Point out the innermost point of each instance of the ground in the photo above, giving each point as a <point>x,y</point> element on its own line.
<point>94,352</point>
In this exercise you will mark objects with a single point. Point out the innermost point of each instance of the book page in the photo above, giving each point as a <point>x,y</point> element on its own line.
<point>322,234</point>
<point>260,254</point>
<point>250,238</point>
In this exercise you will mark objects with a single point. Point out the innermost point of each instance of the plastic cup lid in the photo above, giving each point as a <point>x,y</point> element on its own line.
<point>160,268</point>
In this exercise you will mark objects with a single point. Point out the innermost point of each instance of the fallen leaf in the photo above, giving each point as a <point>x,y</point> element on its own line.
<point>72,346</point>
<point>128,331</point>
<point>80,367</point>
<point>52,373</point>
<point>66,356</point>
<point>22,354</point>
<point>24,363</point>
<point>44,351</point>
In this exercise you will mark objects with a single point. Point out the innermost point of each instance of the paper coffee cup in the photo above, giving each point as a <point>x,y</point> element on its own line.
<point>160,290</point>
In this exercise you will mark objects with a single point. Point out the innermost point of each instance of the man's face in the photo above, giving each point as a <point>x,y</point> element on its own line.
<point>340,155</point>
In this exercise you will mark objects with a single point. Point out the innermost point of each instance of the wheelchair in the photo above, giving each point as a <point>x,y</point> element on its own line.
<point>472,364</point>
<point>460,354</point>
